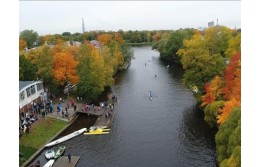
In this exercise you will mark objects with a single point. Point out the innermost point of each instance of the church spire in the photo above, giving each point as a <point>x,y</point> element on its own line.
<point>83,26</point>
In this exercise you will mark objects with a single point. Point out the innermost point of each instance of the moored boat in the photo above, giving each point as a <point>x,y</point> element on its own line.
<point>49,163</point>
<point>59,152</point>
<point>65,138</point>
<point>97,131</point>
<point>49,154</point>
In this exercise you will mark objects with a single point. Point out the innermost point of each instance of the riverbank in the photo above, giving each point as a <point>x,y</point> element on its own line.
<point>140,44</point>
<point>40,133</point>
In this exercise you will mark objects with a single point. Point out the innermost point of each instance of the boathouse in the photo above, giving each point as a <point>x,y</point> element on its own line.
<point>29,92</point>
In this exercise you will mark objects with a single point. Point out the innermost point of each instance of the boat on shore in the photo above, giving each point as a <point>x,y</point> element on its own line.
<point>65,138</point>
<point>49,163</point>
<point>49,154</point>
<point>59,152</point>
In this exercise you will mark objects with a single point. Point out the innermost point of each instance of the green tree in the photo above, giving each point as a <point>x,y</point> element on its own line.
<point>211,112</point>
<point>27,70</point>
<point>169,44</point>
<point>91,71</point>
<point>228,140</point>
<point>30,37</point>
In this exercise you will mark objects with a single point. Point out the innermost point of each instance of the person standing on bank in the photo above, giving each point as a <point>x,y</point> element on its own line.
<point>69,157</point>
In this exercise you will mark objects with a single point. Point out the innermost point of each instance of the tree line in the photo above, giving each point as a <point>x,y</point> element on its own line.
<point>211,60</point>
<point>32,38</point>
<point>59,63</point>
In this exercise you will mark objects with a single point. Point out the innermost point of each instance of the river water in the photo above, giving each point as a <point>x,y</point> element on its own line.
<point>163,131</point>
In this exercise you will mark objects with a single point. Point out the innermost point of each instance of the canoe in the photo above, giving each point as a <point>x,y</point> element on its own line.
<point>49,163</point>
<point>49,154</point>
<point>65,138</point>
<point>59,152</point>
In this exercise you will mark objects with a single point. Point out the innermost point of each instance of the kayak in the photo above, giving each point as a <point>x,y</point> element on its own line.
<point>59,152</point>
<point>49,154</point>
<point>102,127</point>
<point>65,138</point>
<point>98,131</point>
<point>96,128</point>
<point>49,163</point>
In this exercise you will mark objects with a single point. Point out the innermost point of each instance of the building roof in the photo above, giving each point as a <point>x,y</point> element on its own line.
<point>23,84</point>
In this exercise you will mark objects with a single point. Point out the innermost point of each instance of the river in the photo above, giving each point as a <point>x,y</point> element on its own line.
<point>163,131</point>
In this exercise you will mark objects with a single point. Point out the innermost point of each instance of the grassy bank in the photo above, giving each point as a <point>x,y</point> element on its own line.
<point>40,133</point>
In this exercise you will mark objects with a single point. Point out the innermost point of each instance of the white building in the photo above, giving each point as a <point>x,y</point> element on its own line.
<point>30,91</point>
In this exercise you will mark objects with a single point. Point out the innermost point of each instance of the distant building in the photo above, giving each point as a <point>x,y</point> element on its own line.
<point>73,43</point>
<point>211,24</point>
<point>30,91</point>
<point>95,43</point>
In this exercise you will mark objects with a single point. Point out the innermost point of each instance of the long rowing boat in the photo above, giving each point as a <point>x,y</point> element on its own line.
<point>49,163</point>
<point>65,138</point>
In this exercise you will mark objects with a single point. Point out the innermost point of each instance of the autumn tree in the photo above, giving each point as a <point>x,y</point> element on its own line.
<point>217,38</point>
<point>213,91</point>
<point>232,73</point>
<point>234,46</point>
<point>199,64</point>
<point>156,37</point>
<point>64,68</point>
<point>92,72</point>
<point>105,39</point>
<point>22,44</point>
<point>226,110</point>
<point>44,63</point>
<point>228,140</point>
<point>211,112</point>
<point>30,37</point>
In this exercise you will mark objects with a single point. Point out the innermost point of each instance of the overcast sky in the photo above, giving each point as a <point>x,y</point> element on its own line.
<point>50,17</point>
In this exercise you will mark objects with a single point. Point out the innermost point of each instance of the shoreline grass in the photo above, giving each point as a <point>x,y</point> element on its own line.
<point>40,133</point>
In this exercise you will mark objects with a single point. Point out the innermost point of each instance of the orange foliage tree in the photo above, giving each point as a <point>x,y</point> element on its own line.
<point>22,44</point>
<point>119,38</point>
<point>232,73</point>
<point>226,110</point>
<point>105,39</point>
<point>64,69</point>
<point>213,91</point>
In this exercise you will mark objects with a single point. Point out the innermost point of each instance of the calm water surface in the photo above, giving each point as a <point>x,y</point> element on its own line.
<point>166,131</point>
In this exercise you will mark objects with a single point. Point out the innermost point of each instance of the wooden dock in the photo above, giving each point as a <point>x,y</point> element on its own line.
<point>63,161</point>
<point>93,112</point>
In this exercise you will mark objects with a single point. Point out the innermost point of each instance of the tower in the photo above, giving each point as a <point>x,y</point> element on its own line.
<point>83,26</point>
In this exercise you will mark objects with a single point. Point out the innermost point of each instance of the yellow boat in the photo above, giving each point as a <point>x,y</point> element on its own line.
<point>98,131</point>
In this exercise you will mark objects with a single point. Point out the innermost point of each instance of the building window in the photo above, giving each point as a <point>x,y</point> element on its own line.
<point>39,86</point>
<point>32,89</point>
<point>21,95</point>
<point>28,92</point>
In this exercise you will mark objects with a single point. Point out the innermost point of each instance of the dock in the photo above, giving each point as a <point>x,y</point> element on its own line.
<point>64,161</point>
<point>96,112</point>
